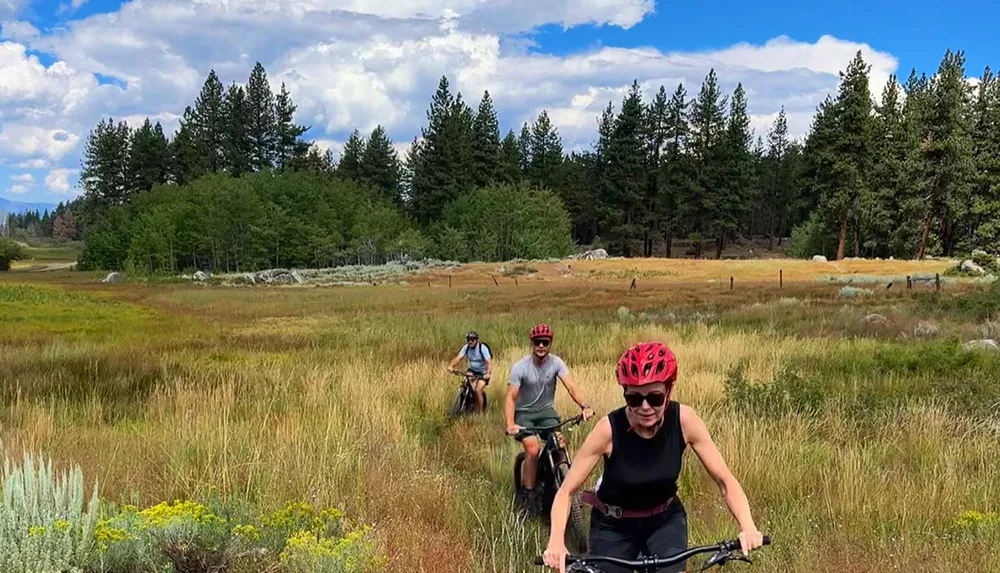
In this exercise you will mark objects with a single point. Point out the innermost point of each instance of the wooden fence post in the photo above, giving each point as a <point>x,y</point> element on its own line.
<point>781,278</point>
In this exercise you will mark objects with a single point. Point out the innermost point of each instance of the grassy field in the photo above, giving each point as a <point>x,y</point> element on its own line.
<point>862,445</point>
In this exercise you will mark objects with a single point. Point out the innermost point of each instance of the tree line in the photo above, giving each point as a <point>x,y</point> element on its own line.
<point>912,173</point>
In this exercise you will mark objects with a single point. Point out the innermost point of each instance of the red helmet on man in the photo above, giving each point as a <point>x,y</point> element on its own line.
<point>647,363</point>
<point>540,331</point>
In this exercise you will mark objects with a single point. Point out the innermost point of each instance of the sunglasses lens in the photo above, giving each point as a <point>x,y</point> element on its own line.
<point>656,400</point>
<point>634,400</point>
<point>543,342</point>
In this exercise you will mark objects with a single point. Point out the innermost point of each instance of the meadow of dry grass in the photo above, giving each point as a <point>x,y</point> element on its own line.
<point>872,446</point>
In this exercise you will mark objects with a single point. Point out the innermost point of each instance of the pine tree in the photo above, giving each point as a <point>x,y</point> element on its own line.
<point>881,208</point>
<point>775,183</point>
<point>236,141</point>
<point>350,161</point>
<point>852,152</point>
<point>986,138</point>
<point>947,154</point>
<point>545,170</point>
<point>697,206</point>
<point>677,168</point>
<point>261,120</point>
<point>730,203</point>
<point>486,144</point>
<point>105,175</point>
<point>626,174</point>
<point>655,123</point>
<point>149,156</point>
<point>209,124</point>
<point>510,160</point>
<point>439,164</point>
<point>380,165</point>
<point>524,150</point>
<point>187,156</point>
<point>289,148</point>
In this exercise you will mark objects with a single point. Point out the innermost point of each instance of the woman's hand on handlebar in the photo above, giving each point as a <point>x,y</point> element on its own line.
<point>555,556</point>
<point>750,540</point>
<point>513,429</point>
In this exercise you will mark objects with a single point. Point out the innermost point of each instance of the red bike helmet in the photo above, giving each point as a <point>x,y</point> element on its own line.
<point>540,331</point>
<point>647,363</point>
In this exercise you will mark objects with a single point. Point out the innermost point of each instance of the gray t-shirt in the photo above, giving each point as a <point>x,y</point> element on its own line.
<point>537,382</point>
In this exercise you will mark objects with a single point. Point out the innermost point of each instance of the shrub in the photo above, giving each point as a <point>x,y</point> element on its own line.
<point>43,523</point>
<point>10,251</point>
<point>812,238</point>
<point>504,223</point>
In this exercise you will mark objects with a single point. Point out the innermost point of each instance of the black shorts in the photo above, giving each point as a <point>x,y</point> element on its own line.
<point>661,535</point>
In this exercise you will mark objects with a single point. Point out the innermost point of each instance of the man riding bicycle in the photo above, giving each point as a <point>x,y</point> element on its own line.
<point>530,401</point>
<point>480,365</point>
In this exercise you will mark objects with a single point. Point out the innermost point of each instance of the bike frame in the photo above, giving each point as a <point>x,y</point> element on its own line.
<point>550,443</point>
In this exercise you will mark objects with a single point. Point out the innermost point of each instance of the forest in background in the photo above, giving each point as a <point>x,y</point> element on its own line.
<point>911,173</point>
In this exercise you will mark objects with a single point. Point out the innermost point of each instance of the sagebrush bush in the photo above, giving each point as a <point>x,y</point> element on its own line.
<point>44,524</point>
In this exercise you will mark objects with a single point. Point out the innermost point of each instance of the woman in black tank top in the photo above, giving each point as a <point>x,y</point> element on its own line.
<point>636,510</point>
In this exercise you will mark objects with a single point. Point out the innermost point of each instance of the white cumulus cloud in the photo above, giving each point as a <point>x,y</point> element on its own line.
<point>18,189</point>
<point>57,180</point>
<point>22,177</point>
<point>355,64</point>
<point>28,141</point>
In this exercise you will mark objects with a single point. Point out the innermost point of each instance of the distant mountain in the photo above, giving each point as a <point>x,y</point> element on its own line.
<point>16,207</point>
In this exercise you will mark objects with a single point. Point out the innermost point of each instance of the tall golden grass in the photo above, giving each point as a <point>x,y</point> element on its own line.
<point>339,396</point>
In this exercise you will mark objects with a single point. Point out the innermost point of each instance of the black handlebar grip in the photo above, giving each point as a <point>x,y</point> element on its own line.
<point>767,540</point>
<point>539,561</point>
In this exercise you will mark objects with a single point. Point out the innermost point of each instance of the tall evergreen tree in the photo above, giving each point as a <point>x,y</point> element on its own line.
<point>236,140</point>
<point>105,175</point>
<point>380,165</point>
<point>696,206</point>
<point>149,157</point>
<point>350,161</point>
<point>524,150</point>
<point>730,202</point>
<point>486,144</point>
<point>655,123</point>
<point>439,164</point>
<point>289,147</point>
<point>209,123</point>
<point>188,159</point>
<point>947,154</point>
<point>261,120</point>
<point>852,152</point>
<point>509,167</point>
<point>626,175</point>
<point>986,138</point>
<point>545,169</point>
<point>881,208</point>
<point>678,168</point>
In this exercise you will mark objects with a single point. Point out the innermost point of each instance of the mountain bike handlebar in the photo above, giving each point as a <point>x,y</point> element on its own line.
<point>525,432</point>
<point>651,563</point>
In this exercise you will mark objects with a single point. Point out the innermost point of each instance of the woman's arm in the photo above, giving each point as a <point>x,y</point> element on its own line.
<point>696,434</point>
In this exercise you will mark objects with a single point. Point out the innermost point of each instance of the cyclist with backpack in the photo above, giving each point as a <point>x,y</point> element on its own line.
<point>480,364</point>
<point>636,509</point>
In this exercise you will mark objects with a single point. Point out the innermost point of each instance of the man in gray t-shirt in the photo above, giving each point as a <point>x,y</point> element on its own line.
<point>530,400</point>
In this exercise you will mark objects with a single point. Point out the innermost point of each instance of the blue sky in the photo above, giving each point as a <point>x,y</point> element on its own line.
<point>65,64</point>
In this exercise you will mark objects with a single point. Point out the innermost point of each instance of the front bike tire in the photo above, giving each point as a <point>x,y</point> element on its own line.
<point>458,405</point>
<point>576,526</point>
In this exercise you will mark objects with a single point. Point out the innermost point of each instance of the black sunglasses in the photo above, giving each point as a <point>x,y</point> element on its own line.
<point>654,399</point>
<point>543,342</point>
